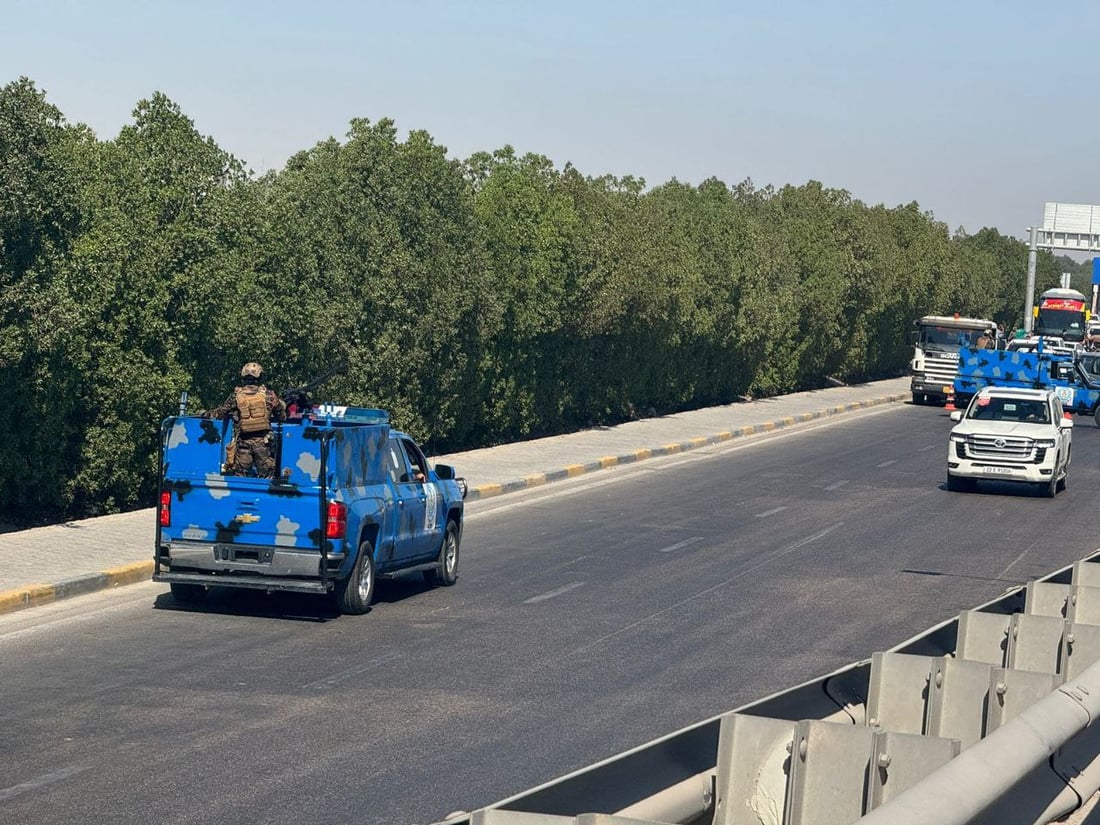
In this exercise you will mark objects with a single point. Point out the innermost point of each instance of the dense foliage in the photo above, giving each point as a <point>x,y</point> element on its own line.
<point>480,301</point>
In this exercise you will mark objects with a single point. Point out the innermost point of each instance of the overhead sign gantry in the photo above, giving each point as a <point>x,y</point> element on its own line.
<point>1067,227</point>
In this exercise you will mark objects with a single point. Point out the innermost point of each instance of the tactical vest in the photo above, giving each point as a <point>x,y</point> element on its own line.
<point>252,407</point>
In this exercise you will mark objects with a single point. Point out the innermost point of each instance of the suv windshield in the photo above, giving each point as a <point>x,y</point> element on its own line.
<point>1030,411</point>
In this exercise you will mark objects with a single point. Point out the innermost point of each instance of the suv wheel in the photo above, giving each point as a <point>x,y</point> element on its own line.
<point>1050,489</point>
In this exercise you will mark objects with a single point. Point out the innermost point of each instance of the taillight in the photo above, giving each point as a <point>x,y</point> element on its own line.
<point>165,508</point>
<point>336,524</point>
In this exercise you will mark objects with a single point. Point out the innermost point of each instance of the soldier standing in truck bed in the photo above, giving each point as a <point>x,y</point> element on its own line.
<point>253,407</point>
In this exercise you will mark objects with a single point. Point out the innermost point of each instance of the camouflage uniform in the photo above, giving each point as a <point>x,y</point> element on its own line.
<point>252,407</point>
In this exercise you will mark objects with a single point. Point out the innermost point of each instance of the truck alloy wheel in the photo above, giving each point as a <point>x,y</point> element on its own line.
<point>354,594</point>
<point>446,570</point>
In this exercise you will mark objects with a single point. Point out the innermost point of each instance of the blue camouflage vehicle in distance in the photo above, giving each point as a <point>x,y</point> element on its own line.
<point>1073,375</point>
<point>352,501</point>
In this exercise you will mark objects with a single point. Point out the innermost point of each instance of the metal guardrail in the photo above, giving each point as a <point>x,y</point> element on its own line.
<point>986,718</point>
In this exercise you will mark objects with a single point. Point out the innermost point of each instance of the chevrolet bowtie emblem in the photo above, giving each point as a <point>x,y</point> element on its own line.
<point>246,518</point>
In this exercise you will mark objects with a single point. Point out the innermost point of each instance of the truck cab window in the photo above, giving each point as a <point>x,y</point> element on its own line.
<point>396,468</point>
<point>416,461</point>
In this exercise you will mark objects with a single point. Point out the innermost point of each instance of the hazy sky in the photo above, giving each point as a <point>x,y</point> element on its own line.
<point>980,111</point>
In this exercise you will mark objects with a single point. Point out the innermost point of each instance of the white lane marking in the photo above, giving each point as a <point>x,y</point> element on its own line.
<point>805,541</point>
<point>544,596</point>
<point>41,781</point>
<point>494,505</point>
<point>929,447</point>
<point>1017,560</point>
<point>887,463</point>
<point>680,545</point>
<point>768,559</point>
<point>352,672</point>
<point>771,512</point>
<point>836,485</point>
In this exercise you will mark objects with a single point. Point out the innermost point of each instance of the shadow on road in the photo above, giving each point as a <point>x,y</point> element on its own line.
<point>300,607</point>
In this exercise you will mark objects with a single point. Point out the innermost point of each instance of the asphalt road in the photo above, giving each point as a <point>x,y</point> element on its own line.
<point>590,617</point>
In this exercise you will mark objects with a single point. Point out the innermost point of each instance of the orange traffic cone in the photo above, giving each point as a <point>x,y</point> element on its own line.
<point>950,405</point>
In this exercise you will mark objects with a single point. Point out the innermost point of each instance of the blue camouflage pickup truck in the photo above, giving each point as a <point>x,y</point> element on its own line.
<point>352,501</point>
<point>1073,376</point>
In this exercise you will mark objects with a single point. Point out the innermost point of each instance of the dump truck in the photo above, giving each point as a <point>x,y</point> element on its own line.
<point>936,343</point>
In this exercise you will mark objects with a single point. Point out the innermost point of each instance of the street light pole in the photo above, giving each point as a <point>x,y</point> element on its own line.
<point>1029,300</point>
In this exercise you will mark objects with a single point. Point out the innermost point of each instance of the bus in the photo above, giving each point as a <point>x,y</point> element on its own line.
<point>1062,314</point>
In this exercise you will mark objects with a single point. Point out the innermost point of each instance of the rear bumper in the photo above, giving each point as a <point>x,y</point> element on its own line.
<point>249,561</point>
<point>251,582</point>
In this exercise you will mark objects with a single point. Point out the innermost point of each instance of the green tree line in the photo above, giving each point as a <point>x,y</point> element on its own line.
<point>481,300</point>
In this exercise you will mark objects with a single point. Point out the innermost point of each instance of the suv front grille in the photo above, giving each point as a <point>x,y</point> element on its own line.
<point>990,447</point>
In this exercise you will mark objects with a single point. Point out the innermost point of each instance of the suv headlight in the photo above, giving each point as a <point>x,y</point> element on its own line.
<point>957,438</point>
<point>1045,442</point>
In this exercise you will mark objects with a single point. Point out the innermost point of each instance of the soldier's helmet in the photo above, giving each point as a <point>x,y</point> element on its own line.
<point>251,370</point>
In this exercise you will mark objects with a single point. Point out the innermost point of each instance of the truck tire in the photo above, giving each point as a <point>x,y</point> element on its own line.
<point>919,398</point>
<point>353,595</point>
<point>185,593</point>
<point>1096,415</point>
<point>445,572</point>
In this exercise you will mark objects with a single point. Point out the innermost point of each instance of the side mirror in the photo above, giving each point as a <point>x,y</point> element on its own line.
<point>1066,423</point>
<point>956,416</point>
<point>445,471</point>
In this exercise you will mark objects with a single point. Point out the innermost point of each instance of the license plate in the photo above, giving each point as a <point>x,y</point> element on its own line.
<point>997,471</point>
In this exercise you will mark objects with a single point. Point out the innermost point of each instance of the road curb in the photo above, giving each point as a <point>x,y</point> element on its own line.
<point>34,595</point>
<point>483,491</point>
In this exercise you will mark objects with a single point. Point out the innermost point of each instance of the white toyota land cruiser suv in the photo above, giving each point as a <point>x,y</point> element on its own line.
<point>1010,435</point>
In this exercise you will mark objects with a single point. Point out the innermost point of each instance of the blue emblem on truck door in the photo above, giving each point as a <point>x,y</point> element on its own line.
<point>431,508</point>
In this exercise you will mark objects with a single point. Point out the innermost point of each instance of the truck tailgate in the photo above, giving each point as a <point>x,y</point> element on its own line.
<point>206,506</point>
